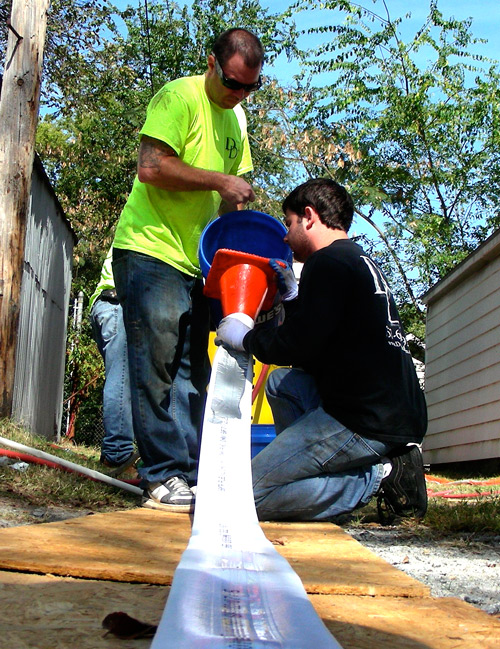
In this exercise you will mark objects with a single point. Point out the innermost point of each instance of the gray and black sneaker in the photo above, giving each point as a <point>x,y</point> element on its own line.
<point>173,495</point>
<point>403,492</point>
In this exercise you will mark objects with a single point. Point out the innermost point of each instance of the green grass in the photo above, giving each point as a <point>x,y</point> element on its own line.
<point>40,486</point>
<point>473,517</point>
<point>44,487</point>
<point>473,506</point>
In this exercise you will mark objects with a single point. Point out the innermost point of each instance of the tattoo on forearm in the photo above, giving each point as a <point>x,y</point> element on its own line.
<point>152,151</point>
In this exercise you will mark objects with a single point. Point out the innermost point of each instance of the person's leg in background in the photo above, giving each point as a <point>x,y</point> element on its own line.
<point>109,333</point>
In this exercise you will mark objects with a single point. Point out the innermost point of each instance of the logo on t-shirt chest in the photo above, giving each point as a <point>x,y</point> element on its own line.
<point>231,148</point>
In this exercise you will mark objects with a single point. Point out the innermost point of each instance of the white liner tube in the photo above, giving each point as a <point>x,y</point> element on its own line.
<point>102,477</point>
<point>232,589</point>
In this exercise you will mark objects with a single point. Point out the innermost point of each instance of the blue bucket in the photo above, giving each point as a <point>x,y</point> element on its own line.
<point>261,436</point>
<point>245,231</point>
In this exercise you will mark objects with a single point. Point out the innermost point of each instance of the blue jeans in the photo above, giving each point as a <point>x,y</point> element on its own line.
<point>109,333</point>
<point>315,468</point>
<point>167,323</point>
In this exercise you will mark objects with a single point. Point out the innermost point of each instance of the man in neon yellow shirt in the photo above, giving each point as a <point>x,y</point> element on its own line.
<point>192,154</point>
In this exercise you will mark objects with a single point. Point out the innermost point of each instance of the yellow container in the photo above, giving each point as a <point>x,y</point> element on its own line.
<point>261,410</point>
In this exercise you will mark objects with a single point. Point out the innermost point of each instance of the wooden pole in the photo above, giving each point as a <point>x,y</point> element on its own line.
<point>19,104</point>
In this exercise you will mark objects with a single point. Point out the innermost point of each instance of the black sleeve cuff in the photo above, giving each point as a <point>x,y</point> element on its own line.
<point>246,342</point>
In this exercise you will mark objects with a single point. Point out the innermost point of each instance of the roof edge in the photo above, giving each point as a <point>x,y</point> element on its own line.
<point>488,250</point>
<point>38,164</point>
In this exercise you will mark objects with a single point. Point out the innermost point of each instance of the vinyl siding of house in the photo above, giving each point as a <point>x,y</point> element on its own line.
<point>462,370</point>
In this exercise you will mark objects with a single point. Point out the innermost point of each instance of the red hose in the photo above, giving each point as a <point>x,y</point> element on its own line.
<point>37,460</point>
<point>490,481</point>
<point>449,494</point>
<point>31,458</point>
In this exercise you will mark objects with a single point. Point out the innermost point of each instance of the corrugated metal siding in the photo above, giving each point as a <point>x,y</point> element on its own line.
<point>462,375</point>
<point>45,291</point>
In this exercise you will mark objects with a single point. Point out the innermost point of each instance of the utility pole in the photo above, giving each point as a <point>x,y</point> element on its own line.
<point>19,102</point>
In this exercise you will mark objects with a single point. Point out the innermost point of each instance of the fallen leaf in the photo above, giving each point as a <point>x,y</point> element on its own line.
<point>125,627</point>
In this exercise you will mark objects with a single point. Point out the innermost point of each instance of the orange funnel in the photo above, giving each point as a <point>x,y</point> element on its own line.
<point>244,283</point>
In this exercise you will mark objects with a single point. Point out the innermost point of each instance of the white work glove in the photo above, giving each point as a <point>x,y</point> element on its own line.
<point>287,284</point>
<point>232,329</point>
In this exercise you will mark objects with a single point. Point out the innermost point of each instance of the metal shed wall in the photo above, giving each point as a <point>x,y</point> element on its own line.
<point>45,292</point>
<point>462,372</point>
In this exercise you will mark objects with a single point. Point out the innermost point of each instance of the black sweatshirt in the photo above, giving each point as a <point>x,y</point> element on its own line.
<point>344,329</point>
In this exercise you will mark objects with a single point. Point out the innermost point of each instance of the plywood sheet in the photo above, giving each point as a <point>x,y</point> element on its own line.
<point>61,613</point>
<point>329,561</point>
<point>145,546</point>
<point>137,545</point>
<point>58,613</point>
<point>399,623</point>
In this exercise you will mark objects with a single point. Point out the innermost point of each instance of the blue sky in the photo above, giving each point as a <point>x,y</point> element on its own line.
<point>485,15</point>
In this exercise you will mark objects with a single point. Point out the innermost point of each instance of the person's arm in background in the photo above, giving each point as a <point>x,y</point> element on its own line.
<point>159,165</point>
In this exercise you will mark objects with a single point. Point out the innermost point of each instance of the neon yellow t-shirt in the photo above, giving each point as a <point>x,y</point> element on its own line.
<point>166,224</point>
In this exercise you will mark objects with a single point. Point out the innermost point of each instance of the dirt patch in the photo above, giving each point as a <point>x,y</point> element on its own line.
<point>16,511</point>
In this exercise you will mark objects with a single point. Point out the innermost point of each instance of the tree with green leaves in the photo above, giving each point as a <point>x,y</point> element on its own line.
<point>410,126</point>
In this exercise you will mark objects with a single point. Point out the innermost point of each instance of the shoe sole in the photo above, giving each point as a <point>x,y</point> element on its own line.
<point>391,508</point>
<point>420,508</point>
<point>154,504</point>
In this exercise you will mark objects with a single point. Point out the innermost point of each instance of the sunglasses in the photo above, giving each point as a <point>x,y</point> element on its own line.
<point>232,84</point>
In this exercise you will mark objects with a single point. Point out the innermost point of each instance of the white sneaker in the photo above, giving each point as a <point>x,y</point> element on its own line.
<point>173,495</point>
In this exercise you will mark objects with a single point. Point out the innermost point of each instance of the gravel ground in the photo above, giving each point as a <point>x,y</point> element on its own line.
<point>468,569</point>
